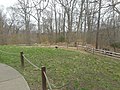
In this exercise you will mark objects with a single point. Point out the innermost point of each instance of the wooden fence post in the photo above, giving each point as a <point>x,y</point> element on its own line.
<point>22,59</point>
<point>43,70</point>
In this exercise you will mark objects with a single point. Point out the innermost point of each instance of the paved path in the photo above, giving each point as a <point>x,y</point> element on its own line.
<point>10,79</point>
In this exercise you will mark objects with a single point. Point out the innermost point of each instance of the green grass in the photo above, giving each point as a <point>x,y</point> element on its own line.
<point>78,71</point>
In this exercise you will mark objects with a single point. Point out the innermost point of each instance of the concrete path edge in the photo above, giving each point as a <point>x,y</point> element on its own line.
<point>11,79</point>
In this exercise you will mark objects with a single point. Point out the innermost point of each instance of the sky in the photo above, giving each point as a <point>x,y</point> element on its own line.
<point>7,3</point>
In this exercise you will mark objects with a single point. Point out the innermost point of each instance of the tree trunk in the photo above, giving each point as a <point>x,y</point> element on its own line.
<point>98,25</point>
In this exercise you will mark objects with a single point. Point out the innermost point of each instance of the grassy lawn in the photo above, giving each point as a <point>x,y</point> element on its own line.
<point>73,69</point>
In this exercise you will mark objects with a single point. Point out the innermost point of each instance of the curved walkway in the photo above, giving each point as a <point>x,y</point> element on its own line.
<point>10,79</point>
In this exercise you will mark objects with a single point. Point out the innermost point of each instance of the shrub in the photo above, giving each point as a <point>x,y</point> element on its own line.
<point>61,38</point>
<point>115,45</point>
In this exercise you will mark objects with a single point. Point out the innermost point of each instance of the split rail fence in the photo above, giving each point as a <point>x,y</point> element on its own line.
<point>100,51</point>
<point>45,80</point>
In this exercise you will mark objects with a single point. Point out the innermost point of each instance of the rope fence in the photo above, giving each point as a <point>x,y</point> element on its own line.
<point>9,53</point>
<point>60,87</point>
<point>31,63</point>
<point>44,76</point>
<point>43,70</point>
<point>47,80</point>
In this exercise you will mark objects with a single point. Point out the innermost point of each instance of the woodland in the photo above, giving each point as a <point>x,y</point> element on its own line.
<point>29,22</point>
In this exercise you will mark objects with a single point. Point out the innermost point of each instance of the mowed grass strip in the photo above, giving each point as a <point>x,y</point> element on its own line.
<point>73,69</point>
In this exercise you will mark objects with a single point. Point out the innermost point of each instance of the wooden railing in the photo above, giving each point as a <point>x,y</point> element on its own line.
<point>100,51</point>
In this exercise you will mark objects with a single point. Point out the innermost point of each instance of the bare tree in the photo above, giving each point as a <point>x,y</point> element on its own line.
<point>24,11</point>
<point>79,25</point>
<point>2,38</point>
<point>98,24</point>
<point>56,24</point>
<point>69,6</point>
<point>39,7</point>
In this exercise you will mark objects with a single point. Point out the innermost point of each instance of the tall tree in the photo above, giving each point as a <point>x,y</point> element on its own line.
<point>39,7</point>
<point>2,34</point>
<point>69,6</point>
<point>79,25</point>
<point>98,25</point>
<point>24,11</point>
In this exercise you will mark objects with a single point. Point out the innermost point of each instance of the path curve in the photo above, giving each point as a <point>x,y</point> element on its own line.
<point>10,79</point>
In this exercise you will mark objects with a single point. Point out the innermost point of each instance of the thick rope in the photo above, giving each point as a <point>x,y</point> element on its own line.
<point>9,53</point>
<point>59,87</point>
<point>47,81</point>
<point>31,63</point>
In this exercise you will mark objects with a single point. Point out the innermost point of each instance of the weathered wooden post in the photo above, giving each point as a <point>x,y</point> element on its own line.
<point>22,59</point>
<point>43,70</point>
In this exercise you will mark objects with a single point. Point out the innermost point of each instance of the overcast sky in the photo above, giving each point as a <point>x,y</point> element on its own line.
<point>7,3</point>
